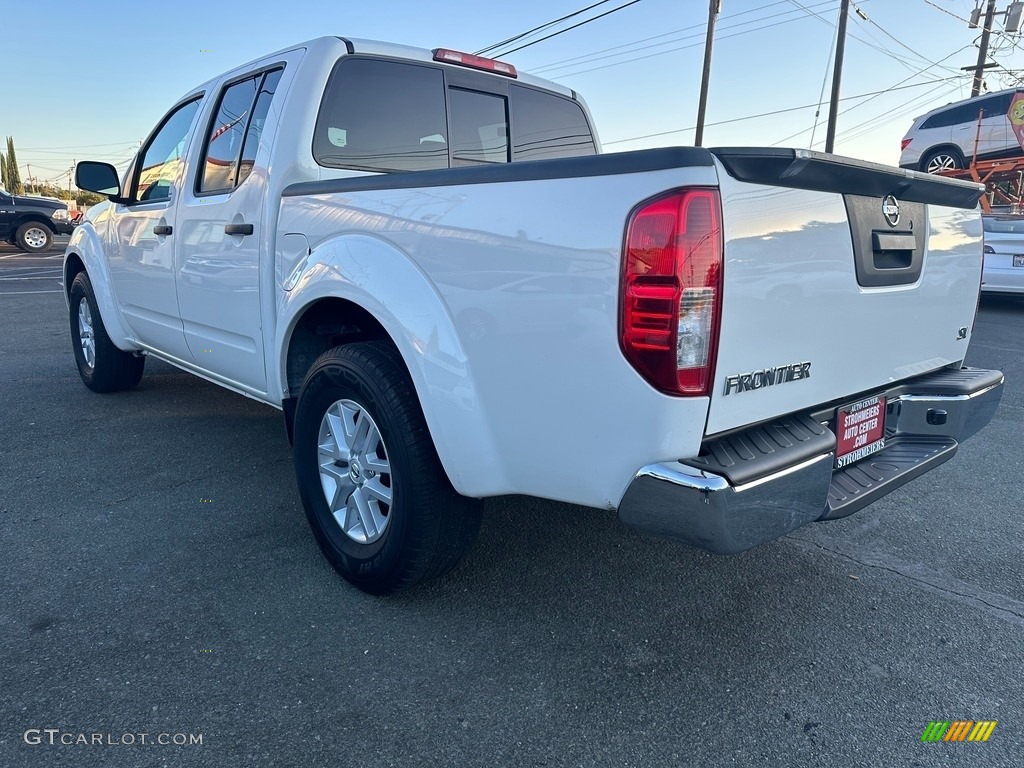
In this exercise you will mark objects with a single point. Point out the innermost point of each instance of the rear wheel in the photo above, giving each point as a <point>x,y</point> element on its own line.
<point>942,160</point>
<point>102,366</point>
<point>33,237</point>
<point>375,493</point>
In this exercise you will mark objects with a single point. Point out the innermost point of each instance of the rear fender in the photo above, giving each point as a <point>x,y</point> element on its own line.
<point>386,283</point>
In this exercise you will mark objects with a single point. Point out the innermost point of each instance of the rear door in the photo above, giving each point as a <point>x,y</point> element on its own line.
<point>992,134</point>
<point>222,235</point>
<point>6,214</point>
<point>834,288</point>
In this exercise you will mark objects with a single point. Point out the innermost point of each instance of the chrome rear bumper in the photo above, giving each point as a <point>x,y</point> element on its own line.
<point>722,503</point>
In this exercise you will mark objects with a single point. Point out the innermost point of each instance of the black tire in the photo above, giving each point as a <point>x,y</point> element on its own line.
<point>113,369</point>
<point>429,527</point>
<point>945,158</point>
<point>29,234</point>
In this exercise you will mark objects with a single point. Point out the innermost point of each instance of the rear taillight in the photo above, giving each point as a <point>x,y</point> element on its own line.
<point>672,290</point>
<point>904,143</point>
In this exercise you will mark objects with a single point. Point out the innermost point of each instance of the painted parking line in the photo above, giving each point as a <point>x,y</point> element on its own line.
<point>24,293</point>
<point>32,256</point>
<point>39,277</point>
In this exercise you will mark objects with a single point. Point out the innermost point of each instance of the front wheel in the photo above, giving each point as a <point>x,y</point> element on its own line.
<point>102,366</point>
<point>34,237</point>
<point>375,493</point>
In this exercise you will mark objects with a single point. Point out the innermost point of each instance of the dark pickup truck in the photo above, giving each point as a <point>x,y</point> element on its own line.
<point>31,222</point>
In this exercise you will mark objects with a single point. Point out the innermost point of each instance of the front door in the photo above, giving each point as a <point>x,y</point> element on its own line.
<point>6,215</point>
<point>141,240</point>
<point>220,231</point>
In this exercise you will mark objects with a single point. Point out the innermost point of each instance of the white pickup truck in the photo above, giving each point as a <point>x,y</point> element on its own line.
<point>423,259</point>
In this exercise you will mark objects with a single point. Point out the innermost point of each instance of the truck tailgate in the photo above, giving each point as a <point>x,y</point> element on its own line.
<point>841,277</point>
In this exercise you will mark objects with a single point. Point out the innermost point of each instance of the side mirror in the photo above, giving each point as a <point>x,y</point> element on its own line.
<point>98,177</point>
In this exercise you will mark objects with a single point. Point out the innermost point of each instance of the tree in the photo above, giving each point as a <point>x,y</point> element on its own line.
<point>85,199</point>
<point>3,172</point>
<point>13,174</point>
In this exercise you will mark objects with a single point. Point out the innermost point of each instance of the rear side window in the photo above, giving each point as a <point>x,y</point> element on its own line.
<point>546,126</point>
<point>382,116</point>
<point>234,134</point>
<point>968,113</point>
<point>997,106</point>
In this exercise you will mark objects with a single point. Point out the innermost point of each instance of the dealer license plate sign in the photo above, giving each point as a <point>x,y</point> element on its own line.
<point>860,430</point>
<point>1018,259</point>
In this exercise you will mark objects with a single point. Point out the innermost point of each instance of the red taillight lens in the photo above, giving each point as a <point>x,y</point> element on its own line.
<point>475,62</point>
<point>904,143</point>
<point>672,290</point>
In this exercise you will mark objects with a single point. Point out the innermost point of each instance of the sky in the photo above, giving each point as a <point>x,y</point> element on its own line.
<point>91,83</point>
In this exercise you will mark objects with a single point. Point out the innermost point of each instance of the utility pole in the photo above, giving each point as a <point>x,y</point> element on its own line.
<point>837,75</point>
<point>714,8</point>
<point>979,69</point>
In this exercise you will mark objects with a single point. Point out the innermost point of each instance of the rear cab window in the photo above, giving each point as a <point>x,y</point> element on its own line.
<point>384,115</point>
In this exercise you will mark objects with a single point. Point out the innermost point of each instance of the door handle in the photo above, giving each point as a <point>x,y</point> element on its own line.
<point>162,229</point>
<point>238,229</point>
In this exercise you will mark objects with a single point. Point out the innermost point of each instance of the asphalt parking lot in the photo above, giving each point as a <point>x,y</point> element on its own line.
<point>158,577</point>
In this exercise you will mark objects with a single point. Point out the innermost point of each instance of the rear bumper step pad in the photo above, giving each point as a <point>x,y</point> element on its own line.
<point>749,487</point>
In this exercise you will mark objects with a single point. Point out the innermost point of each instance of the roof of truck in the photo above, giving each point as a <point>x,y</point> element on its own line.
<point>380,48</point>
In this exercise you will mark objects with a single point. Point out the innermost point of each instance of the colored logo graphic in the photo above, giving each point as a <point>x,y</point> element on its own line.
<point>1016,115</point>
<point>958,730</point>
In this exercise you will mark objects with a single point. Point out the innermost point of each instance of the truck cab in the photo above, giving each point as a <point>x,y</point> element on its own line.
<point>31,222</point>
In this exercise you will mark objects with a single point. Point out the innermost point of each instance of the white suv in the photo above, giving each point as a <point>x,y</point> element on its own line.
<point>944,138</point>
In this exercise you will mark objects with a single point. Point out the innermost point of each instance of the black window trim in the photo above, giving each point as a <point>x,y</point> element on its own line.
<point>133,187</point>
<point>197,176</point>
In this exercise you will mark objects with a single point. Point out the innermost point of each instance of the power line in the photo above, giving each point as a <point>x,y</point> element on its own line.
<point>577,59</point>
<point>893,87</point>
<point>70,146</point>
<point>595,55</point>
<point>879,48</point>
<point>569,29</point>
<point>890,116</point>
<point>529,32</point>
<point>673,50</point>
<point>775,112</point>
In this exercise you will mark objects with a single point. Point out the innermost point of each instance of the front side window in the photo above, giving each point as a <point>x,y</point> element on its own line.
<point>382,116</point>
<point>162,158</point>
<point>546,126</point>
<point>234,134</point>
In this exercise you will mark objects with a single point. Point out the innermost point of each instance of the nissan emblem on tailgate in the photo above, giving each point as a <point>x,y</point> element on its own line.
<point>891,210</point>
